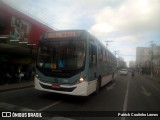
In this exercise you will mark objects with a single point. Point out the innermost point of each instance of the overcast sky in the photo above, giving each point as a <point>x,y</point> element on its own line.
<point>128,23</point>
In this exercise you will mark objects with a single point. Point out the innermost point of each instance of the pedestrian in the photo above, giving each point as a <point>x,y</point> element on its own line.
<point>133,73</point>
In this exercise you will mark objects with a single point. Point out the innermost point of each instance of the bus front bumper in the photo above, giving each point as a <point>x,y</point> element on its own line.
<point>79,89</point>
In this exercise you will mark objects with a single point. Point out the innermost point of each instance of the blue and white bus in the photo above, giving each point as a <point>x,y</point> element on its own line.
<point>72,62</point>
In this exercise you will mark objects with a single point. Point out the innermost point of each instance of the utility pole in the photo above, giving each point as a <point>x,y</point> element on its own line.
<point>116,52</point>
<point>152,59</point>
<point>108,42</point>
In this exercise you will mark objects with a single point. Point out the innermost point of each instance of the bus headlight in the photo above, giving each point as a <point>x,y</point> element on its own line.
<point>82,78</point>
<point>37,76</point>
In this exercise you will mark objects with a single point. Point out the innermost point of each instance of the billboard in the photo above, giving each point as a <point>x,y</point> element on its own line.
<point>20,29</point>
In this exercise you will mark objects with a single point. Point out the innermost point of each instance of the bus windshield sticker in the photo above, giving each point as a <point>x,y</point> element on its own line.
<point>61,64</point>
<point>53,65</point>
<point>47,65</point>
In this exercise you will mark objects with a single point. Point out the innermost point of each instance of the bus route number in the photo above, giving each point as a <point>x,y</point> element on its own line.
<point>61,35</point>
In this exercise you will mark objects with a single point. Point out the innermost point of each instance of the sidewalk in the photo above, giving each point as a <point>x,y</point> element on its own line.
<point>14,86</point>
<point>149,77</point>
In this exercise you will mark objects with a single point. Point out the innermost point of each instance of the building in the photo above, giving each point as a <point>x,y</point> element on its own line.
<point>143,56</point>
<point>156,60</point>
<point>144,59</point>
<point>132,64</point>
<point>18,31</point>
<point>19,35</point>
<point>121,63</point>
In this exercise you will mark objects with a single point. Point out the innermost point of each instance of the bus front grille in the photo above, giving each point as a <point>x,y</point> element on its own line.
<point>57,89</point>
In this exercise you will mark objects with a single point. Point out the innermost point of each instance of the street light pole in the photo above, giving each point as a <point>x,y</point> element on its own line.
<point>116,52</point>
<point>152,59</point>
<point>108,42</point>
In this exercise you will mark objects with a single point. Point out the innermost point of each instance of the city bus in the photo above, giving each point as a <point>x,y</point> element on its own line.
<point>72,62</point>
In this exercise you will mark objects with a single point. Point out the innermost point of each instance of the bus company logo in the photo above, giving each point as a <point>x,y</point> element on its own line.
<point>6,114</point>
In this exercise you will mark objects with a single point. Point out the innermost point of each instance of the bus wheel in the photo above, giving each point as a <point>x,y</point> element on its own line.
<point>98,86</point>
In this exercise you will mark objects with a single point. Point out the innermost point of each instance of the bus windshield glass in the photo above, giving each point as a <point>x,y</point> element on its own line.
<point>61,54</point>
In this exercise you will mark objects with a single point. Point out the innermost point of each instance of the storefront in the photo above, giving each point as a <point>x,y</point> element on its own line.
<point>19,35</point>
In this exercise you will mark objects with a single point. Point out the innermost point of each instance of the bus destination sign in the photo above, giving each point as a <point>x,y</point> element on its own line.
<point>61,34</point>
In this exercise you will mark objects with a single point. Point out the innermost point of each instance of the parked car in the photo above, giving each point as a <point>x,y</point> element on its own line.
<point>123,72</point>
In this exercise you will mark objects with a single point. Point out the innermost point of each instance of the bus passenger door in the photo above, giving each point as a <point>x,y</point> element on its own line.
<point>92,65</point>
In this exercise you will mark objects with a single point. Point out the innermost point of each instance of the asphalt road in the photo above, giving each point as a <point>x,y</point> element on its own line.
<point>123,94</point>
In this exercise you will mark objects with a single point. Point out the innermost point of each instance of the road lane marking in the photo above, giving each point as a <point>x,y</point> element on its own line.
<point>156,85</point>
<point>51,105</point>
<point>156,88</point>
<point>13,107</point>
<point>125,100</point>
<point>145,92</point>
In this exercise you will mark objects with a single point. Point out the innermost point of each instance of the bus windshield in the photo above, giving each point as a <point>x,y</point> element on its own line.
<point>63,54</point>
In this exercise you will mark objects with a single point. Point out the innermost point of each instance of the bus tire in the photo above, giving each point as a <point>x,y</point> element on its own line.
<point>98,86</point>
<point>113,76</point>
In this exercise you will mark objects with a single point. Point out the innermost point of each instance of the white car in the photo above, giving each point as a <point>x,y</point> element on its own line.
<point>123,72</point>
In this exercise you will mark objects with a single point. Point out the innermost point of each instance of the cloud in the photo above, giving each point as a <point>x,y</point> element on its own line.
<point>131,16</point>
<point>102,28</point>
<point>130,24</point>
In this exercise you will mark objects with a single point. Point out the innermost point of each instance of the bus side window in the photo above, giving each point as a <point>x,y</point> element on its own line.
<point>92,54</point>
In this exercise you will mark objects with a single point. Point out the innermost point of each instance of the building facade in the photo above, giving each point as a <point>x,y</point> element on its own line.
<point>121,63</point>
<point>147,57</point>
<point>156,60</point>
<point>132,64</point>
<point>19,35</point>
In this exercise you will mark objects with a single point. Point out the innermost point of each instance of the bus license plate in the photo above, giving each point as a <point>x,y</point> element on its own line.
<point>55,85</point>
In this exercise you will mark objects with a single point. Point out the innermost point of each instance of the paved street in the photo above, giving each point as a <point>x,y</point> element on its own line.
<point>123,94</point>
